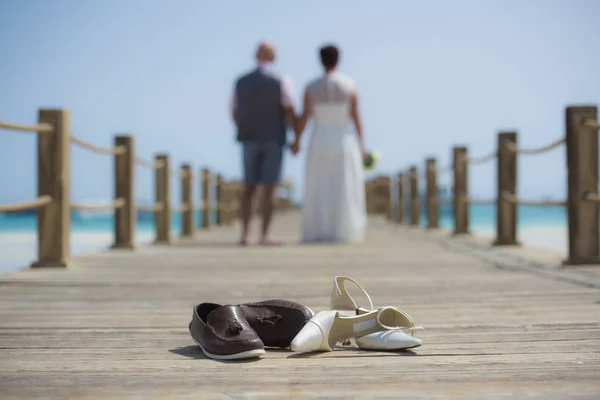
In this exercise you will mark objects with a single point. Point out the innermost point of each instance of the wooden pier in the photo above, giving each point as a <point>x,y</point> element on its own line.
<point>499,322</point>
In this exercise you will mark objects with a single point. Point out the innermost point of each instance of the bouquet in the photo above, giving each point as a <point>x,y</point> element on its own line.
<point>371,160</point>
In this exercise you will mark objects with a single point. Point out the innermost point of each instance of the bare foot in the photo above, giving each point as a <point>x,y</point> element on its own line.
<point>270,241</point>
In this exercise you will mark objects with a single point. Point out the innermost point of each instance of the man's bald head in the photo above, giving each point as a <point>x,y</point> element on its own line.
<point>265,52</point>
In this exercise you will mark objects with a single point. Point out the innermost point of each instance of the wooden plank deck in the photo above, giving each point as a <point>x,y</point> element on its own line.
<point>114,325</point>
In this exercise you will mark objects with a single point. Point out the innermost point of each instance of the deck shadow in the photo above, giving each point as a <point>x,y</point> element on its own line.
<point>196,353</point>
<point>362,354</point>
<point>210,244</point>
<point>228,244</point>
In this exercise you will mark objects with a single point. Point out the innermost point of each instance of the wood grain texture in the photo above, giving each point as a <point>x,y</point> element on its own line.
<point>499,322</point>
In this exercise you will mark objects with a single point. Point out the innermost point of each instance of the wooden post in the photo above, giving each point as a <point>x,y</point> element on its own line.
<point>373,196</point>
<point>125,216</point>
<point>187,206</point>
<point>400,206</point>
<point>218,199</point>
<point>162,218</point>
<point>226,201</point>
<point>506,211</point>
<point>54,219</point>
<point>230,199</point>
<point>582,164</point>
<point>432,194</point>
<point>414,197</point>
<point>205,196</point>
<point>461,211</point>
<point>367,199</point>
<point>386,194</point>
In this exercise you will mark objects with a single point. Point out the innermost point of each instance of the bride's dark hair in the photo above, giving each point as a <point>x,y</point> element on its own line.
<point>329,56</point>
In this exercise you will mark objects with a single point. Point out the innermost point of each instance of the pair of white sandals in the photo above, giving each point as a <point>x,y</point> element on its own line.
<point>372,329</point>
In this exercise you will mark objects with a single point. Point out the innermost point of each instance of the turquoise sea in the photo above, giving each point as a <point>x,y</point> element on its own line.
<point>93,231</point>
<point>89,222</point>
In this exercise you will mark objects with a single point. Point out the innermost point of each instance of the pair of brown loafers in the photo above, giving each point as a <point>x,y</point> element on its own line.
<point>232,332</point>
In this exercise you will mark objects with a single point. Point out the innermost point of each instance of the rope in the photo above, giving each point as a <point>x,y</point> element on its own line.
<point>515,149</point>
<point>181,173</point>
<point>26,205</point>
<point>592,197</point>
<point>105,150</point>
<point>591,123</point>
<point>149,164</point>
<point>227,207</point>
<point>480,202</point>
<point>150,208</point>
<point>205,206</point>
<point>39,128</point>
<point>118,203</point>
<point>481,160</point>
<point>181,208</point>
<point>549,203</point>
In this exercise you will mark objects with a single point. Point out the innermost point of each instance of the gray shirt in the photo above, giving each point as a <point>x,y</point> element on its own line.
<point>259,99</point>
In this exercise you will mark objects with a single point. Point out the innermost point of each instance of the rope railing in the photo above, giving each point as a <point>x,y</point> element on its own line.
<point>540,203</point>
<point>516,149</point>
<point>39,128</point>
<point>26,205</point>
<point>181,208</point>
<point>480,202</point>
<point>116,204</point>
<point>150,207</point>
<point>482,159</point>
<point>116,150</point>
<point>592,197</point>
<point>591,123</point>
<point>206,206</point>
<point>54,205</point>
<point>583,200</point>
<point>148,163</point>
<point>179,173</point>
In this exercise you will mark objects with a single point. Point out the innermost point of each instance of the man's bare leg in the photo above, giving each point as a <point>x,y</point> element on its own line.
<point>246,212</point>
<point>268,206</point>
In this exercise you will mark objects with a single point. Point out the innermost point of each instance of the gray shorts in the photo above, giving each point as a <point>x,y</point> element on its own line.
<point>262,162</point>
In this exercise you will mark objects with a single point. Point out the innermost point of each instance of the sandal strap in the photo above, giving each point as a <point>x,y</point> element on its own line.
<point>339,289</point>
<point>397,328</point>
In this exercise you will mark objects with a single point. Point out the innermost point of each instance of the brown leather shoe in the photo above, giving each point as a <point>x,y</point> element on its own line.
<point>276,322</point>
<point>223,333</point>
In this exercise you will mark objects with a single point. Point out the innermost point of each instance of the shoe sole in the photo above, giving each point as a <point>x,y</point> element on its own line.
<point>380,349</point>
<point>391,348</point>
<point>257,353</point>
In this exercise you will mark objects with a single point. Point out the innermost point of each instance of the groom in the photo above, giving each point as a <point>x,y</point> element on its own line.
<point>262,110</point>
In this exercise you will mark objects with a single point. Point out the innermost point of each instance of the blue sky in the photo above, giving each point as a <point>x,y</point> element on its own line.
<point>431,75</point>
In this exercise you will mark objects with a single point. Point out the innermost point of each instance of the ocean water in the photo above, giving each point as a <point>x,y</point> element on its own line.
<point>543,227</point>
<point>92,222</point>
<point>483,217</point>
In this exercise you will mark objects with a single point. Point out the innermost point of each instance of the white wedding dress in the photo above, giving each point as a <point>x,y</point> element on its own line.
<point>334,190</point>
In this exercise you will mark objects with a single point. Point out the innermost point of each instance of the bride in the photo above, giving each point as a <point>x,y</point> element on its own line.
<point>333,208</point>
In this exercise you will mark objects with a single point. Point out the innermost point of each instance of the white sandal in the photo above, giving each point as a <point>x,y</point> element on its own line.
<point>326,328</point>
<point>393,339</point>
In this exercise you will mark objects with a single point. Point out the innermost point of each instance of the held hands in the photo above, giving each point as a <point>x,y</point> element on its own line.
<point>295,147</point>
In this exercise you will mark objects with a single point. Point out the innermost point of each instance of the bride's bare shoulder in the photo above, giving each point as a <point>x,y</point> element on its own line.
<point>316,82</point>
<point>346,80</point>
